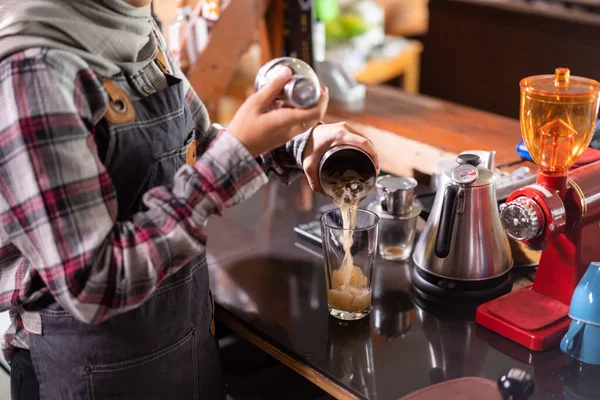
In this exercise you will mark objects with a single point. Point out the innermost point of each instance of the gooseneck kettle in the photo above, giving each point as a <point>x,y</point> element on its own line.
<point>464,239</point>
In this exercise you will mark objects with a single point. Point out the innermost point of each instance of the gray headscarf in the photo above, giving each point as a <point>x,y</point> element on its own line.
<point>111,35</point>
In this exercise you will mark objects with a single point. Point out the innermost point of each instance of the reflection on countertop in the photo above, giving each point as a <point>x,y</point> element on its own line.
<point>274,283</point>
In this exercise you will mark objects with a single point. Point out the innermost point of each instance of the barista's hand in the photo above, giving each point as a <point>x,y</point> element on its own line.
<point>325,137</point>
<point>262,126</point>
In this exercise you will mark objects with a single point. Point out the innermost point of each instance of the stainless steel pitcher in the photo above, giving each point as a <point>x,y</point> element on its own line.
<point>464,239</point>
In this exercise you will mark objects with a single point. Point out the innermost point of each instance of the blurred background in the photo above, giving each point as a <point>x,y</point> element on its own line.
<point>472,52</point>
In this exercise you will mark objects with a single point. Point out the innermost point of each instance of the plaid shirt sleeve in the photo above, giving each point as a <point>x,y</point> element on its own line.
<point>58,206</point>
<point>285,162</point>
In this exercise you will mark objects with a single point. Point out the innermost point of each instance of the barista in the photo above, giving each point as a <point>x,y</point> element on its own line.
<point>109,170</point>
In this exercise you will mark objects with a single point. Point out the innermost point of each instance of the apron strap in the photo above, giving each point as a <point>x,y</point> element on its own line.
<point>161,61</point>
<point>212,319</point>
<point>120,108</point>
<point>121,111</point>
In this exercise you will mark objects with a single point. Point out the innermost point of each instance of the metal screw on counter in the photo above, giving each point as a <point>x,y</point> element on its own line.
<point>517,384</point>
<point>302,91</point>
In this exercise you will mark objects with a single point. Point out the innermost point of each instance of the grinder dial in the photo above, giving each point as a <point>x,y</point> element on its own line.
<point>520,219</point>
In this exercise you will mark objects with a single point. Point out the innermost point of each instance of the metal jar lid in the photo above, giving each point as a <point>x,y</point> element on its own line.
<point>395,194</point>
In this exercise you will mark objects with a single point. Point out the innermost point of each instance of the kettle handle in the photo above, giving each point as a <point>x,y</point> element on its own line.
<point>444,234</point>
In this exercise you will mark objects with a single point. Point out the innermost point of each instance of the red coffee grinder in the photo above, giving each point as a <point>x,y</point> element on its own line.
<point>558,214</point>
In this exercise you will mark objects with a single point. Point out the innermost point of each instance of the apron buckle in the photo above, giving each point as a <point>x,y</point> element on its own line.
<point>120,109</point>
<point>190,153</point>
<point>161,61</point>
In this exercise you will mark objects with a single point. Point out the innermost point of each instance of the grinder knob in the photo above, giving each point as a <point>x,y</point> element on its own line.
<point>521,219</point>
<point>517,384</point>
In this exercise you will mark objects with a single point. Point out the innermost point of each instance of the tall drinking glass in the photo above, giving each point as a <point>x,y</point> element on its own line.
<point>349,257</point>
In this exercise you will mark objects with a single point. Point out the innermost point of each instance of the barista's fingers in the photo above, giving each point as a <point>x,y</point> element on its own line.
<point>344,127</point>
<point>323,102</point>
<point>350,129</point>
<point>347,130</point>
<point>362,143</point>
<point>265,97</point>
<point>288,118</point>
<point>313,181</point>
<point>276,105</point>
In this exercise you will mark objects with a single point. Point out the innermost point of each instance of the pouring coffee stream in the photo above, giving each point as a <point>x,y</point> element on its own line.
<point>347,175</point>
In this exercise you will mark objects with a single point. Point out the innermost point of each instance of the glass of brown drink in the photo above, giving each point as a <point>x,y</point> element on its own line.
<point>349,250</point>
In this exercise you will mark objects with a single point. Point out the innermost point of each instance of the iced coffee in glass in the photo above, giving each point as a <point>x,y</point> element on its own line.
<point>349,253</point>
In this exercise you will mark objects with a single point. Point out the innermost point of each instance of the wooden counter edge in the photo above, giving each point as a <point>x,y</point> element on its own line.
<point>226,318</point>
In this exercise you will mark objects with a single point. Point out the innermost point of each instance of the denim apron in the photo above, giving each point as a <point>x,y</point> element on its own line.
<point>166,348</point>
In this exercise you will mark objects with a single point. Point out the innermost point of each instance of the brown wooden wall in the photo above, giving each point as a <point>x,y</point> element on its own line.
<point>477,51</point>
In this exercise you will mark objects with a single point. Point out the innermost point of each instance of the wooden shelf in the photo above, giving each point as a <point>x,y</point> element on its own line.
<point>406,63</point>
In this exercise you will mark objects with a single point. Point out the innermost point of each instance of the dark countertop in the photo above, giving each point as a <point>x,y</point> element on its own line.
<point>273,283</point>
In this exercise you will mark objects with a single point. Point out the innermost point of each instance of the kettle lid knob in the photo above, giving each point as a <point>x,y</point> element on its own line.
<point>471,159</point>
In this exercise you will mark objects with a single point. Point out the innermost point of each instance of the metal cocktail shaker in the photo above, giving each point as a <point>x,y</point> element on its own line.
<point>348,172</point>
<point>302,91</point>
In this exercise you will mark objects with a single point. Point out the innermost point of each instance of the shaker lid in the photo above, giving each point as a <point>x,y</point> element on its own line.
<point>303,92</point>
<point>561,83</point>
<point>395,193</point>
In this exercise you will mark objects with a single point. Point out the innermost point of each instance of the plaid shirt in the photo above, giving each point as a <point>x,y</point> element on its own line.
<point>59,235</point>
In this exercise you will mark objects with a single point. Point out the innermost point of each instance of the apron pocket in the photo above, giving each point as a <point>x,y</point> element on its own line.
<point>170,373</point>
<point>165,165</point>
